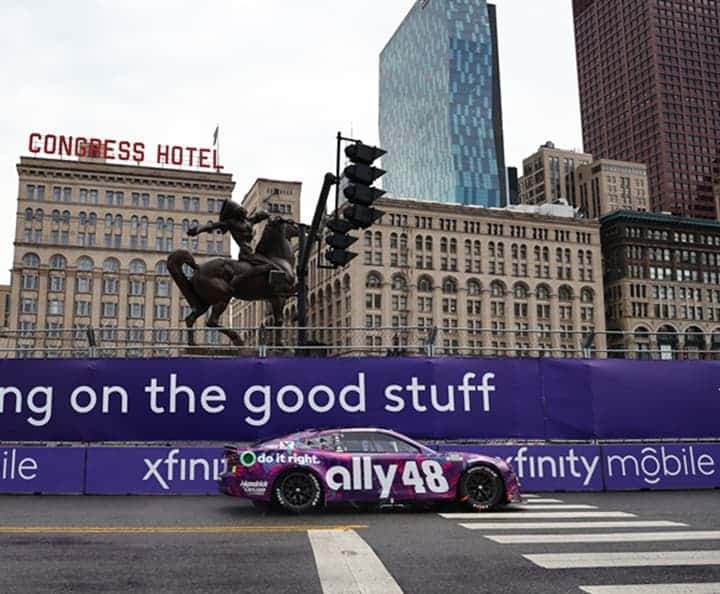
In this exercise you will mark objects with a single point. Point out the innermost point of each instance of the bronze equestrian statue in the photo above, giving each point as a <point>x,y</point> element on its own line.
<point>268,273</point>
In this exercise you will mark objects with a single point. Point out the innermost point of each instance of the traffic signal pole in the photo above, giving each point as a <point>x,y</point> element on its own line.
<point>305,244</point>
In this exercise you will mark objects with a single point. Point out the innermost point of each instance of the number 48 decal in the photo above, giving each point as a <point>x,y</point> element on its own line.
<point>429,477</point>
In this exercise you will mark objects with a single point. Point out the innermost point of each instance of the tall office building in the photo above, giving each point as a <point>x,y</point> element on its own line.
<point>649,75</point>
<point>440,112</point>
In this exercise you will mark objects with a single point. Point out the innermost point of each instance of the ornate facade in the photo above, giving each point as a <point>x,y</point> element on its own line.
<point>91,241</point>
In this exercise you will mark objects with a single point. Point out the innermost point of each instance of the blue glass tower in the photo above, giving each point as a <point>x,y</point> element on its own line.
<point>440,112</point>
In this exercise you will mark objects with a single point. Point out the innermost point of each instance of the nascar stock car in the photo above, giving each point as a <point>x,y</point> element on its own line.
<point>307,470</point>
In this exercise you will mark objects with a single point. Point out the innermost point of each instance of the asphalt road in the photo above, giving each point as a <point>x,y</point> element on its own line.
<point>218,544</point>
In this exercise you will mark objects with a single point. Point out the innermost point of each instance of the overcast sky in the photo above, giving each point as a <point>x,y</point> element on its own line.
<point>281,77</point>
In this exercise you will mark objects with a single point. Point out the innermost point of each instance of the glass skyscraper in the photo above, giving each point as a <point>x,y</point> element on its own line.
<point>440,112</point>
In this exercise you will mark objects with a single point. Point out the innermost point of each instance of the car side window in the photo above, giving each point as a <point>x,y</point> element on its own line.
<point>358,442</point>
<point>387,444</point>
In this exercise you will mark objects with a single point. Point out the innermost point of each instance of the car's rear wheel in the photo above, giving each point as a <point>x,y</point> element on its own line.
<point>481,487</point>
<point>298,491</point>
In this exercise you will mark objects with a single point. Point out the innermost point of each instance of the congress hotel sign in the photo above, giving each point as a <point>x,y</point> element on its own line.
<point>123,150</point>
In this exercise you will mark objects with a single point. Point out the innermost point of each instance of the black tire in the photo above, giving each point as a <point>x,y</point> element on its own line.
<point>298,492</point>
<point>481,487</point>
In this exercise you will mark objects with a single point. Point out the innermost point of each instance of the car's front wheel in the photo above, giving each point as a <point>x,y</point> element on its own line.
<point>481,487</point>
<point>298,491</point>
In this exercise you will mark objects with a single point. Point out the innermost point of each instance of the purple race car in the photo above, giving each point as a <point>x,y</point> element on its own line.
<point>307,470</point>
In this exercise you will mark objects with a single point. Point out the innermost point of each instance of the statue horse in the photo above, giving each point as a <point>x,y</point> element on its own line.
<point>269,275</point>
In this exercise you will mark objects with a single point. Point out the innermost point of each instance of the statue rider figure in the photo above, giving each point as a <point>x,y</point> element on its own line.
<point>234,219</point>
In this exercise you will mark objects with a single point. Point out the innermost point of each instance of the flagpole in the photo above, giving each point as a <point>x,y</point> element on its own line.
<point>217,146</point>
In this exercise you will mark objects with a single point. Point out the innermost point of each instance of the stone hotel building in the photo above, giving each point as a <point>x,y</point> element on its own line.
<point>483,277</point>
<point>662,284</point>
<point>91,241</point>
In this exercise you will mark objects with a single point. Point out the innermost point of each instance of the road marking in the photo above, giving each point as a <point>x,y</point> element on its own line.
<point>521,515</point>
<point>168,529</point>
<point>533,496</point>
<point>699,588</point>
<point>347,564</point>
<point>634,559</point>
<point>540,500</point>
<point>606,537</point>
<point>570,525</point>
<point>553,506</point>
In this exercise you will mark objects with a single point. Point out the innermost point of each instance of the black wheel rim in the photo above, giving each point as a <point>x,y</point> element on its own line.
<point>298,490</point>
<point>481,485</point>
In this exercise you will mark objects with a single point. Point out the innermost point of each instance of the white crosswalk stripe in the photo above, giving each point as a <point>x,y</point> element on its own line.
<point>544,500</point>
<point>633,559</point>
<point>347,564</point>
<point>604,537</point>
<point>521,515</point>
<point>554,506</point>
<point>571,525</point>
<point>698,588</point>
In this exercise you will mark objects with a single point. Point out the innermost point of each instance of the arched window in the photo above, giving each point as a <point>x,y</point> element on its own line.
<point>29,214</point>
<point>399,282</point>
<point>31,260</point>
<point>497,289</point>
<point>425,284</point>
<point>185,225</point>
<point>143,226</point>
<point>543,293</point>
<point>39,215</point>
<point>84,263</point>
<point>565,293</point>
<point>443,245</point>
<point>520,291</point>
<point>587,295</point>
<point>467,245</point>
<point>473,287</point>
<point>476,248</point>
<point>346,282</point>
<point>403,241</point>
<point>378,239</point>
<point>418,239</point>
<point>428,243</point>
<point>66,217</point>
<point>82,217</point>
<point>161,267</point>
<point>449,285</point>
<point>393,241</point>
<point>159,225</point>
<point>118,223</point>
<point>108,222</point>
<point>491,249</point>
<point>453,246</point>
<point>367,239</point>
<point>134,224</point>
<point>111,265</point>
<point>169,226</point>
<point>373,280</point>
<point>58,262</point>
<point>137,266</point>
<point>92,219</point>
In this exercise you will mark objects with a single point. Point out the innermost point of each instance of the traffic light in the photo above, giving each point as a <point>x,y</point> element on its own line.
<point>357,212</point>
<point>358,190</point>
<point>339,242</point>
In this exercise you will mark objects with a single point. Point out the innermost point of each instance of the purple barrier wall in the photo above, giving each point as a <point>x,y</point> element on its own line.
<point>153,471</point>
<point>548,468</point>
<point>662,466</point>
<point>452,398</point>
<point>42,470</point>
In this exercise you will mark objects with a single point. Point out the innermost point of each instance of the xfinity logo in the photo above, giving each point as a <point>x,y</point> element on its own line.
<point>562,466</point>
<point>173,468</point>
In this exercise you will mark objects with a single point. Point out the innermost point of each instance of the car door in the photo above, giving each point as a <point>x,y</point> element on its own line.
<point>406,472</point>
